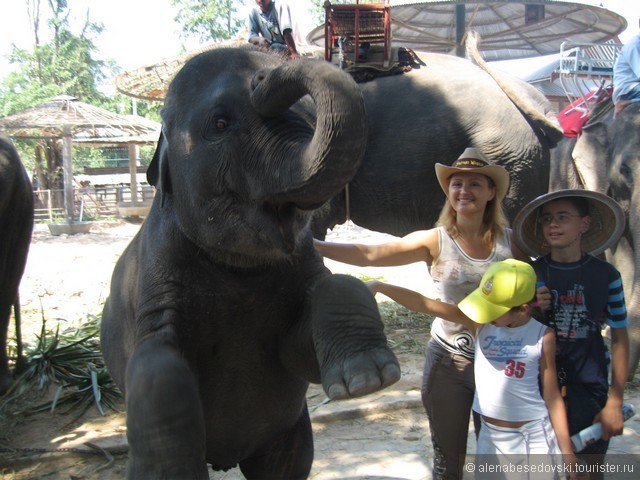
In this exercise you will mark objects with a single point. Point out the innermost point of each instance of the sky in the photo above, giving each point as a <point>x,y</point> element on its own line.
<point>143,32</point>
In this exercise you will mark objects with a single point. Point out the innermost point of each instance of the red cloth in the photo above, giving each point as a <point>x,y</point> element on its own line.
<point>573,117</point>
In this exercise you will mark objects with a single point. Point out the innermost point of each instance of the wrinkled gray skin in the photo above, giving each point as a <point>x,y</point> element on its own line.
<point>431,115</point>
<point>606,158</point>
<point>16,225</point>
<point>220,311</point>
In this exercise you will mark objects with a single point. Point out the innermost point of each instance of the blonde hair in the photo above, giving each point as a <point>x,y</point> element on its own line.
<point>494,220</point>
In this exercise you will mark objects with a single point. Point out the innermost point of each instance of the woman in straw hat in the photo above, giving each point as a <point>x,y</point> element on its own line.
<point>565,229</point>
<point>471,234</point>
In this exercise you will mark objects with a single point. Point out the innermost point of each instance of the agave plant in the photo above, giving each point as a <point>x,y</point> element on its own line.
<point>70,360</point>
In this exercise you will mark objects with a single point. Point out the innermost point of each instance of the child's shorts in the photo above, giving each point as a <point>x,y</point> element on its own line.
<point>535,437</point>
<point>527,452</point>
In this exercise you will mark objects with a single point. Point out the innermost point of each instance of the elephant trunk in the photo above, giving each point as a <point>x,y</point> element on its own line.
<point>324,164</point>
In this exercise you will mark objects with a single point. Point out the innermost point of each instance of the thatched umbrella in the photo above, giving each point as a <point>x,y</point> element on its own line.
<point>509,29</point>
<point>73,121</point>
<point>151,82</point>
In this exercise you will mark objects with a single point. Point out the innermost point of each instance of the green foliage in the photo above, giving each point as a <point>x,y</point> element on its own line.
<point>317,8</point>
<point>210,20</point>
<point>103,157</point>
<point>62,67</point>
<point>65,65</point>
<point>71,362</point>
<point>317,11</point>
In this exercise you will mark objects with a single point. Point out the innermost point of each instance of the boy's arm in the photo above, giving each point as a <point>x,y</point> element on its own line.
<point>419,303</point>
<point>552,397</point>
<point>611,414</point>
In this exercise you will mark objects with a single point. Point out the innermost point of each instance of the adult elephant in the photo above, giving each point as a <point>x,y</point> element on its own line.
<point>16,225</point>
<point>220,310</point>
<point>430,115</point>
<point>606,158</point>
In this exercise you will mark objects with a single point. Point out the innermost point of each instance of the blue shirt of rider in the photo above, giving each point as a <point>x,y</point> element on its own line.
<point>626,72</point>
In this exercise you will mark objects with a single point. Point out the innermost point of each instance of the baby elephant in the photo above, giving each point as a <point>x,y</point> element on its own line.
<point>221,312</point>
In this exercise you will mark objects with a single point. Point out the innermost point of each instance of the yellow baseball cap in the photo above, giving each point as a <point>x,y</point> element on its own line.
<point>506,284</point>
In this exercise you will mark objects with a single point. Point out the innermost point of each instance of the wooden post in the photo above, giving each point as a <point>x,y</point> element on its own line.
<point>133,170</point>
<point>460,29</point>
<point>67,173</point>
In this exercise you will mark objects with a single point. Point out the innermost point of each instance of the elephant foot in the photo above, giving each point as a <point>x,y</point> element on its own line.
<point>349,339</point>
<point>361,374</point>
<point>165,425</point>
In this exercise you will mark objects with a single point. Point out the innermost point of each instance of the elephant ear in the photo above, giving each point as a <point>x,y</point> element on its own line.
<point>590,157</point>
<point>158,171</point>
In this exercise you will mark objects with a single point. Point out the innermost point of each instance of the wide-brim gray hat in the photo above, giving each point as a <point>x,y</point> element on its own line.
<point>472,160</point>
<point>607,223</point>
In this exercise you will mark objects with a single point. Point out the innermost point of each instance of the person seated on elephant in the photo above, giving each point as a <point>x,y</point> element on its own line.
<point>270,26</point>
<point>471,233</point>
<point>626,75</point>
<point>519,402</point>
<point>566,230</point>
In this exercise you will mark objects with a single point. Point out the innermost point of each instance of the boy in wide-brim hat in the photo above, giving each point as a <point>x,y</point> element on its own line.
<point>565,229</point>
<point>606,223</point>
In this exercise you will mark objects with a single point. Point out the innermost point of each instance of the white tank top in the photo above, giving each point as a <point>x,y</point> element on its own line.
<point>455,275</point>
<point>506,370</point>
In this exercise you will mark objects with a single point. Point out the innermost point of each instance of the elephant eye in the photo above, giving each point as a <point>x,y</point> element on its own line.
<point>215,126</point>
<point>626,173</point>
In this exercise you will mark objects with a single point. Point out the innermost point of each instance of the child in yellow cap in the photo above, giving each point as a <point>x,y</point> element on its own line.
<point>517,393</point>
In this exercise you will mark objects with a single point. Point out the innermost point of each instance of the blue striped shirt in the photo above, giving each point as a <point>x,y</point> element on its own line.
<point>586,295</point>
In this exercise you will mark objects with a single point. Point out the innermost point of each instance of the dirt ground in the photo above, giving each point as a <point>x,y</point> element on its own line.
<point>67,279</point>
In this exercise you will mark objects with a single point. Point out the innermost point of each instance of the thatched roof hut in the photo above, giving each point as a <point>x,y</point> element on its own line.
<point>66,118</point>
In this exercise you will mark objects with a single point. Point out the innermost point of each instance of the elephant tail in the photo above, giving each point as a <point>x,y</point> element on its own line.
<point>546,121</point>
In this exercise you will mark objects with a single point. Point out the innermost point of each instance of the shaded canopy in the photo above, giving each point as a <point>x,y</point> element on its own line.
<point>84,122</point>
<point>66,118</point>
<point>509,29</point>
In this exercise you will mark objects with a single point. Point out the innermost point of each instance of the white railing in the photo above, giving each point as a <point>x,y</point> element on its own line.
<point>585,68</point>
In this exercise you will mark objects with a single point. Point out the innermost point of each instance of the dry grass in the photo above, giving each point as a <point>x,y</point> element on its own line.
<point>406,330</point>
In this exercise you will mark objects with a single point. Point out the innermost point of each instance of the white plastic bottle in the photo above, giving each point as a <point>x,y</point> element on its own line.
<point>592,434</point>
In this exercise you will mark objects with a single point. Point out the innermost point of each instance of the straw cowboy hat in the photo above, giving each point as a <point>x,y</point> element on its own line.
<point>607,223</point>
<point>472,160</point>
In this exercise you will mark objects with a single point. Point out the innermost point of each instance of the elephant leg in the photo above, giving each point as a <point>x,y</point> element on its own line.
<point>6,378</point>
<point>349,339</point>
<point>165,424</point>
<point>289,456</point>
